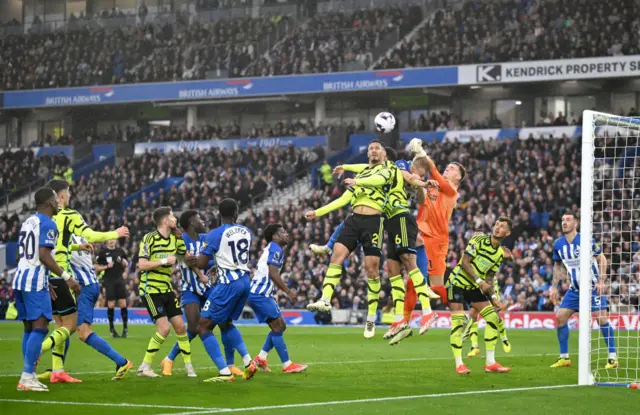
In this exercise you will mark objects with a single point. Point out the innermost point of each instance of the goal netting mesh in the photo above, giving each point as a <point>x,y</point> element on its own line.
<point>610,184</point>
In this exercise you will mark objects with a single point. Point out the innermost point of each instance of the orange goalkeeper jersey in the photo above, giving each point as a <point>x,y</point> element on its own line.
<point>434,214</point>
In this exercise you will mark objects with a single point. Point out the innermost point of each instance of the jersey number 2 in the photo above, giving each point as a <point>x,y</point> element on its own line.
<point>27,245</point>
<point>240,251</point>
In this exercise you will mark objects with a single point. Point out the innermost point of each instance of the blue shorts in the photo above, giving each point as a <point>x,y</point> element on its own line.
<point>32,305</point>
<point>571,301</point>
<point>189,297</point>
<point>87,302</point>
<point>226,301</point>
<point>265,308</point>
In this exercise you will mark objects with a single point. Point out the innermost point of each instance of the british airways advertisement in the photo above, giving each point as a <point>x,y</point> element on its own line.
<point>232,88</point>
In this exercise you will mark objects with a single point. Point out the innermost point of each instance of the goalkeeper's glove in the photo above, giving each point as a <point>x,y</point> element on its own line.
<point>415,146</point>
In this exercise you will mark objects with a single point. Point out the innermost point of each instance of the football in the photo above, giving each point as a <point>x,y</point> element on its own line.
<point>385,122</point>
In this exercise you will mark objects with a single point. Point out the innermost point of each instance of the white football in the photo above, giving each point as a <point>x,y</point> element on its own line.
<point>385,122</point>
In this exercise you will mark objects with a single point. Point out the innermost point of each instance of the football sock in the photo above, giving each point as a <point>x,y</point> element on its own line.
<point>609,336</point>
<point>110,316</point>
<point>176,347</point>
<point>25,341</point>
<point>373,294</point>
<point>491,330</point>
<point>502,329</point>
<point>397,293</point>
<point>563,339</point>
<point>268,345</point>
<point>473,334</point>
<point>455,338</point>
<point>58,336</point>
<point>32,349</point>
<point>280,346</point>
<point>124,314</point>
<point>213,350</point>
<point>57,356</point>
<point>105,348</point>
<point>423,262</point>
<point>185,347</point>
<point>154,345</point>
<point>410,300</point>
<point>420,285</point>
<point>331,280</point>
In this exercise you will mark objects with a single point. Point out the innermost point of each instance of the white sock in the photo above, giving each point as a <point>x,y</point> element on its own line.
<point>398,317</point>
<point>188,365</point>
<point>613,356</point>
<point>564,355</point>
<point>371,318</point>
<point>246,359</point>
<point>325,300</point>
<point>263,355</point>
<point>286,364</point>
<point>225,372</point>
<point>426,308</point>
<point>491,357</point>
<point>459,361</point>
<point>27,376</point>
<point>58,370</point>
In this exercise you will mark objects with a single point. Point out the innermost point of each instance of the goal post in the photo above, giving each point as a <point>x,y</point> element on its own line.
<point>610,215</point>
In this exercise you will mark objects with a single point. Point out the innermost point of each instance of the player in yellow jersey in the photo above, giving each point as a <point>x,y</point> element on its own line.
<point>68,222</point>
<point>364,225</point>
<point>471,282</point>
<point>158,253</point>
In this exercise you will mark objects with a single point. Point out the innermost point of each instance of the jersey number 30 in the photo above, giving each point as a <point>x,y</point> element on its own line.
<point>240,251</point>
<point>27,245</point>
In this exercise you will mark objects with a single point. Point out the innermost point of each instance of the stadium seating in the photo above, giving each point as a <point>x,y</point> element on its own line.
<point>21,168</point>
<point>502,31</point>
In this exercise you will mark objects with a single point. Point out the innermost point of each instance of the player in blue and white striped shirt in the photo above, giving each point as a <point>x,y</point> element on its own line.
<point>263,285</point>
<point>229,245</point>
<point>195,285</point>
<point>566,251</point>
<point>36,242</point>
<point>83,270</point>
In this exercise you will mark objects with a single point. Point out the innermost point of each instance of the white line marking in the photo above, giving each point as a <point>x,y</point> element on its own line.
<point>108,404</point>
<point>369,400</point>
<point>409,359</point>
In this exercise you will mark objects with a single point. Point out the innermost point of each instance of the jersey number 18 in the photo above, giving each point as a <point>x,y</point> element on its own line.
<point>239,251</point>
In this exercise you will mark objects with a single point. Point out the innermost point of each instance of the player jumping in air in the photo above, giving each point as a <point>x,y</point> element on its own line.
<point>433,224</point>
<point>472,282</point>
<point>36,242</point>
<point>65,310</point>
<point>566,250</point>
<point>229,246</point>
<point>158,252</point>
<point>402,233</point>
<point>263,285</point>
<point>367,194</point>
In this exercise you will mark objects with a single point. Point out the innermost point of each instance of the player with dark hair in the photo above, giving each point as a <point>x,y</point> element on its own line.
<point>229,246</point>
<point>112,261</point>
<point>158,253</point>
<point>263,285</point>
<point>472,282</point>
<point>36,242</point>
<point>65,310</point>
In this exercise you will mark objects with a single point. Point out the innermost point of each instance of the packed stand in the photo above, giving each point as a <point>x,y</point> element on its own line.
<point>170,51</point>
<point>527,30</point>
<point>21,168</point>
<point>327,43</point>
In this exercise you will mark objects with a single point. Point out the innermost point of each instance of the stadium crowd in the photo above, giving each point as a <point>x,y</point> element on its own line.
<point>514,30</point>
<point>21,167</point>
<point>532,181</point>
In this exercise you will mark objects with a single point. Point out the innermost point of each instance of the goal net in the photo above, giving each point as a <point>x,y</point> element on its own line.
<point>610,214</point>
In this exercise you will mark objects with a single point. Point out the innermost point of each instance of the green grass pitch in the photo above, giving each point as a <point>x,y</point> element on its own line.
<point>347,375</point>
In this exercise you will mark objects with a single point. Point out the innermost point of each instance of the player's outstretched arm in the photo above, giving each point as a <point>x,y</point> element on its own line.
<point>80,228</point>
<point>336,204</point>
<point>355,168</point>
<point>413,179</point>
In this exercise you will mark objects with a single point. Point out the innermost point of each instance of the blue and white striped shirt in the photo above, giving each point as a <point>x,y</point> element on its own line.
<point>261,283</point>
<point>82,263</point>
<point>569,254</point>
<point>36,232</point>
<point>229,246</point>
<point>190,280</point>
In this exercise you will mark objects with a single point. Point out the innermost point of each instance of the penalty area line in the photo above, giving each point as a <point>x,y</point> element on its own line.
<point>368,400</point>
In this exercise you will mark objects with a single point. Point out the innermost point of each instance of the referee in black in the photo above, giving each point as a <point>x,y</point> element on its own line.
<point>113,261</point>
